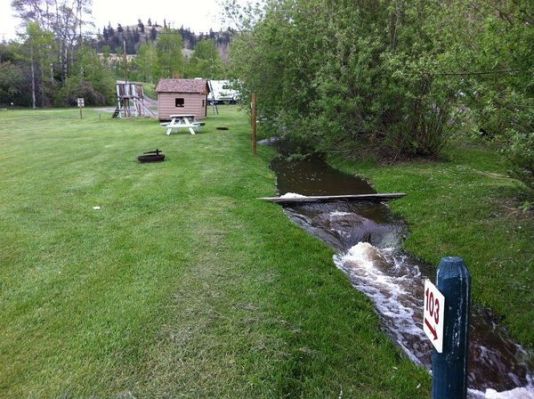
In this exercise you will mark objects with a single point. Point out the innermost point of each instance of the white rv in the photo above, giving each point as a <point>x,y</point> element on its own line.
<point>222,91</point>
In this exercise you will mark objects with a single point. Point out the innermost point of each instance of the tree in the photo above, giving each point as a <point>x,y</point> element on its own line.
<point>169,53</point>
<point>153,33</point>
<point>146,63</point>
<point>393,78</point>
<point>335,82</point>
<point>65,18</point>
<point>40,50</point>
<point>15,85</point>
<point>205,61</point>
<point>38,11</point>
<point>492,56</point>
<point>12,83</point>
<point>91,80</point>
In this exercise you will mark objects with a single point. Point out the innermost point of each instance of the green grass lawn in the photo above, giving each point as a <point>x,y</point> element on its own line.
<point>181,284</point>
<point>467,206</point>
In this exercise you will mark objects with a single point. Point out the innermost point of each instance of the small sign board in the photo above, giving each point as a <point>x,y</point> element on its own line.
<point>433,315</point>
<point>81,102</point>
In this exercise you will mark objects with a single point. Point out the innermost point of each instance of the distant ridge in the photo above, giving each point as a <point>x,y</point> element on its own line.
<point>132,36</point>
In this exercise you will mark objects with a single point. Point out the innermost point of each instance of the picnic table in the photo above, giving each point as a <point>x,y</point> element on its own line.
<point>182,121</point>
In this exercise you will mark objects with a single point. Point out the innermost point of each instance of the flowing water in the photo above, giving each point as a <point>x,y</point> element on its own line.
<point>368,239</point>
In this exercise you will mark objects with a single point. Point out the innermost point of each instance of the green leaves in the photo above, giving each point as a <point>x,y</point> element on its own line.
<point>206,61</point>
<point>89,79</point>
<point>11,78</point>
<point>169,53</point>
<point>337,75</point>
<point>146,61</point>
<point>400,76</point>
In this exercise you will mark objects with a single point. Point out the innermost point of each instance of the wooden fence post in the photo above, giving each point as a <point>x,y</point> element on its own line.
<point>253,121</point>
<point>449,368</point>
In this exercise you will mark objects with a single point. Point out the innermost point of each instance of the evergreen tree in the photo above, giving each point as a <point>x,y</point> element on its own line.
<point>153,34</point>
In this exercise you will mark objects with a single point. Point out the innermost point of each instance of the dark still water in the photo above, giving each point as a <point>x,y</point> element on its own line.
<point>368,239</point>
<point>305,178</point>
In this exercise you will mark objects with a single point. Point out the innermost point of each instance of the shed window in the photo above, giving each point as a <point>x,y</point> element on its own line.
<point>179,102</point>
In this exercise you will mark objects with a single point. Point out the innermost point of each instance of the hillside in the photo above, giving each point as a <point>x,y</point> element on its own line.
<point>115,39</point>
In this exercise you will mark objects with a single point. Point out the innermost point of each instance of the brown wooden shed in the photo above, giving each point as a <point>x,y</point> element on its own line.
<point>182,96</point>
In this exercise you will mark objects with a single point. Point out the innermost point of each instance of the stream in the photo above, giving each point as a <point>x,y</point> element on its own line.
<point>368,241</point>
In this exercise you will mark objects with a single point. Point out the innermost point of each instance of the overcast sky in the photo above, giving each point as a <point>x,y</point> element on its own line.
<point>198,15</point>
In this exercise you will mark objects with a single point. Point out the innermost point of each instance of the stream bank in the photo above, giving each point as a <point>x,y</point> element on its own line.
<point>369,239</point>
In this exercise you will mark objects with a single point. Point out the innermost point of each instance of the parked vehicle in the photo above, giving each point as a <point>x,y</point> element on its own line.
<point>222,92</point>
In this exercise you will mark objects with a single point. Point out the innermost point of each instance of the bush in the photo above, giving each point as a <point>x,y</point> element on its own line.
<point>74,88</point>
<point>521,156</point>
<point>507,118</point>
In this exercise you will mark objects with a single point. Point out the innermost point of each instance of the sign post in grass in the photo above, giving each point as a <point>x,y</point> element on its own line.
<point>449,368</point>
<point>81,104</point>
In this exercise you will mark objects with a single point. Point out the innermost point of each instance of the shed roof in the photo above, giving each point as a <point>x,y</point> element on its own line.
<point>199,86</point>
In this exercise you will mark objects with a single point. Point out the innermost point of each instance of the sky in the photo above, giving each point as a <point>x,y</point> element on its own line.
<point>198,15</point>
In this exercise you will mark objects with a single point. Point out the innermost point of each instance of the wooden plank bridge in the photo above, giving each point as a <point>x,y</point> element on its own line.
<point>378,197</point>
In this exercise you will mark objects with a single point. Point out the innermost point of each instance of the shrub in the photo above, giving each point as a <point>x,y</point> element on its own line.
<point>520,153</point>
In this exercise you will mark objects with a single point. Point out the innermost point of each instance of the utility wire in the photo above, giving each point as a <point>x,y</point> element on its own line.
<point>507,71</point>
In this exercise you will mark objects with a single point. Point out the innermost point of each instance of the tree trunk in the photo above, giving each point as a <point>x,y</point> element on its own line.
<point>33,75</point>
<point>42,86</point>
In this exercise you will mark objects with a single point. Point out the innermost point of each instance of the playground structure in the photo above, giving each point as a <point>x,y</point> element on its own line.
<point>131,101</point>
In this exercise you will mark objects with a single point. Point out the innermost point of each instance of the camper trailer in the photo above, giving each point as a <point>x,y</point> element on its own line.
<point>222,91</point>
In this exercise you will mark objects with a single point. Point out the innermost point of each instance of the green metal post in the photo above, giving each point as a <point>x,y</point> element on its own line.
<point>449,368</point>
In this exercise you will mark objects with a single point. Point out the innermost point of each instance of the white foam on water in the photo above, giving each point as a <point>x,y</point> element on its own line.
<point>517,393</point>
<point>338,214</point>
<point>394,299</point>
<point>292,195</point>
<point>392,295</point>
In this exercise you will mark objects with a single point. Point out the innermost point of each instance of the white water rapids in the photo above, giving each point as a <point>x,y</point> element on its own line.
<point>397,293</point>
<point>395,290</point>
<point>376,265</point>
<point>368,239</point>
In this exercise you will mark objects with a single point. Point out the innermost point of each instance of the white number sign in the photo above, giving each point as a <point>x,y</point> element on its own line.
<point>81,102</point>
<point>433,315</point>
